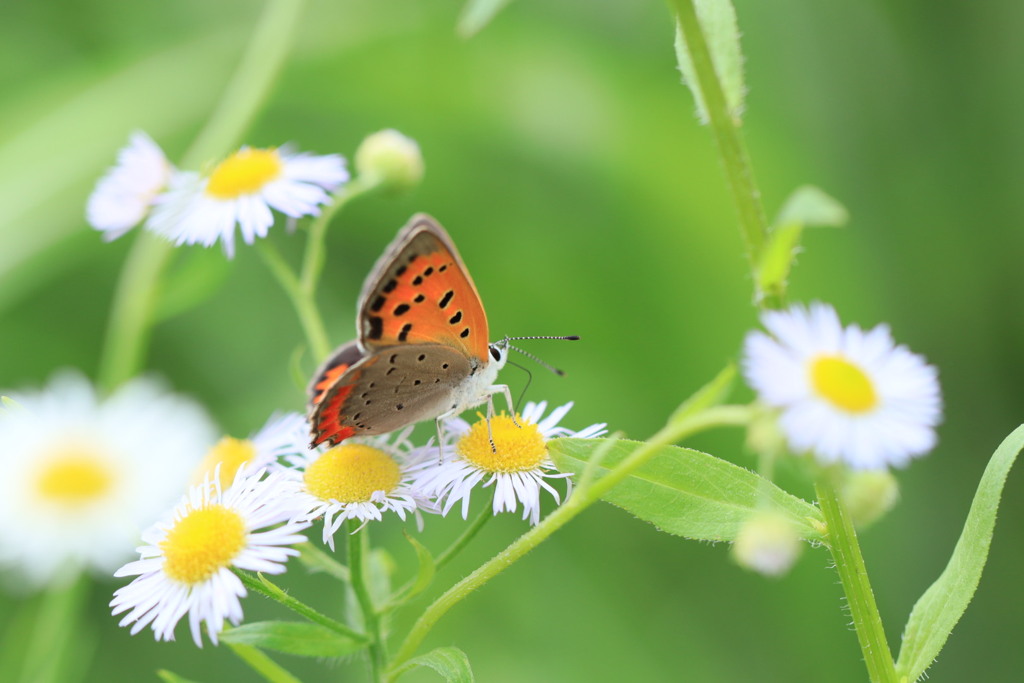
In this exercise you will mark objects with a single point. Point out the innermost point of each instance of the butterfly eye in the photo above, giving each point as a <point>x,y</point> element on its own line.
<point>495,353</point>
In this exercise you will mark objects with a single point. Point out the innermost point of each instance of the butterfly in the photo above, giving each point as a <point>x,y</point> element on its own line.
<point>422,350</point>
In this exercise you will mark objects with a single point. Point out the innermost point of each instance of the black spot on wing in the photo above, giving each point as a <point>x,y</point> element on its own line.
<point>401,309</point>
<point>376,327</point>
<point>419,299</point>
<point>404,334</point>
<point>378,304</point>
<point>464,333</point>
<point>389,286</point>
<point>428,272</point>
<point>446,299</point>
<point>455,318</point>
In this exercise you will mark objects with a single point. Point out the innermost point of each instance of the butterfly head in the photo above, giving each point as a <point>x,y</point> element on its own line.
<point>499,353</point>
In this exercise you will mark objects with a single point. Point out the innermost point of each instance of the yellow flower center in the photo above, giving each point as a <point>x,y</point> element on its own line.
<point>244,172</point>
<point>843,384</point>
<point>352,473</point>
<point>202,542</point>
<point>516,448</point>
<point>230,454</point>
<point>74,477</point>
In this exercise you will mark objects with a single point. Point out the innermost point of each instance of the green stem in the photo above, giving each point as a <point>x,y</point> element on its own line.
<point>303,301</point>
<point>53,640</point>
<point>258,661</point>
<point>313,260</point>
<point>371,622</point>
<point>842,541</point>
<point>726,128</point>
<point>260,584</point>
<point>581,499</point>
<point>131,314</point>
<point>486,514</point>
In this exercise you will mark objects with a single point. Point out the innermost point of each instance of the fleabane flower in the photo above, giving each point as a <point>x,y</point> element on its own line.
<point>242,190</point>
<point>186,562</point>
<point>123,197</point>
<point>362,478</point>
<point>282,435</point>
<point>83,476</point>
<point>518,465</point>
<point>846,395</point>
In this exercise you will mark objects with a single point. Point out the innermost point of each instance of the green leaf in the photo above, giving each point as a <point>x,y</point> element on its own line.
<point>171,677</point>
<point>316,560</point>
<point>945,601</point>
<point>812,206</point>
<point>689,493</point>
<point>711,394</point>
<point>427,568</point>
<point>718,22</point>
<point>294,638</point>
<point>478,13</point>
<point>450,662</point>
<point>199,274</point>
<point>807,206</point>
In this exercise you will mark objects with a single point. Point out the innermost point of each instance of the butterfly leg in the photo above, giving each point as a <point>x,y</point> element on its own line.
<point>503,388</point>
<point>439,422</point>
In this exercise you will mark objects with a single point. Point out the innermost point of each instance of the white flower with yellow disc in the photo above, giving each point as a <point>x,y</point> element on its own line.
<point>83,476</point>
<point>243,190</point>
<point>517,464</point>
<point>124,196</point>
<point>186,565</point>
<point>846,394</point>
<point>361,478</point>
<point>282,435</point>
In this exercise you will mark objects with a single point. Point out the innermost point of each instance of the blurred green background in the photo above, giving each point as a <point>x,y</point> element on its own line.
<point>564,157</point>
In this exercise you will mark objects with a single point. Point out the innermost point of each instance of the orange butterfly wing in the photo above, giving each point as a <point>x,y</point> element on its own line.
<point>420,292</point>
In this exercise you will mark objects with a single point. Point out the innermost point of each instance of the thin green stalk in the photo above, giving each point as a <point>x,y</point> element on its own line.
<point>264,587</point>
<point>841,539</point>
<point>731,146</point>
<point>317,560</point>
<point>371,622</point>
<point>258,661</point>
<point>313,260</point>
<point>303,302</point>
<point>53,637</point>
<point>131,314</point>
<point>486,514</point>
<point>581,499</point>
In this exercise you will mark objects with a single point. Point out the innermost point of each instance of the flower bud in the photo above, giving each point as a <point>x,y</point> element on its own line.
<point>869,494</point>
<point>390,160</point>
<point>767,544</point>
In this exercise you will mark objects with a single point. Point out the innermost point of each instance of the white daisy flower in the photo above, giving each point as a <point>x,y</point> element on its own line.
<point>362,478</point>
<point>124,195</point>
<point>846,394</point>
<point>282,435</point>
<point>185,566</point>
<point>518,466</point>
<point>242,190</point>
<point>83,476</point>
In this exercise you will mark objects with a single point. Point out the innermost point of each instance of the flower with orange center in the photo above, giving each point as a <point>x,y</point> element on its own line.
<point>83,476</point>
<point>360,479</point>
<point>845,394</point>
<point>244,190</point>
<point>186,564</point>
<point>510,454</point>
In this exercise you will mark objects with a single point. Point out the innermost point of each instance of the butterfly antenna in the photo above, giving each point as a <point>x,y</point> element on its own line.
<point>571,337</point>
<point>538,361</point>
<point>529,380</point>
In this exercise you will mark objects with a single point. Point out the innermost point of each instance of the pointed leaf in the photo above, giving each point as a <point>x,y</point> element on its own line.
<point>807,206</point>
<point>945,601</point>
<point>261,663</point>
<point>427,568</point>
<point>718,23</point>
<point>478,13</point>
<point>450,662</point>
<point>689,493</point>
<point>294,638</point>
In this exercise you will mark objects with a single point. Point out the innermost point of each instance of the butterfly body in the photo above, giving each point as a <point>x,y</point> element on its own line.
<point>422,351</point>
